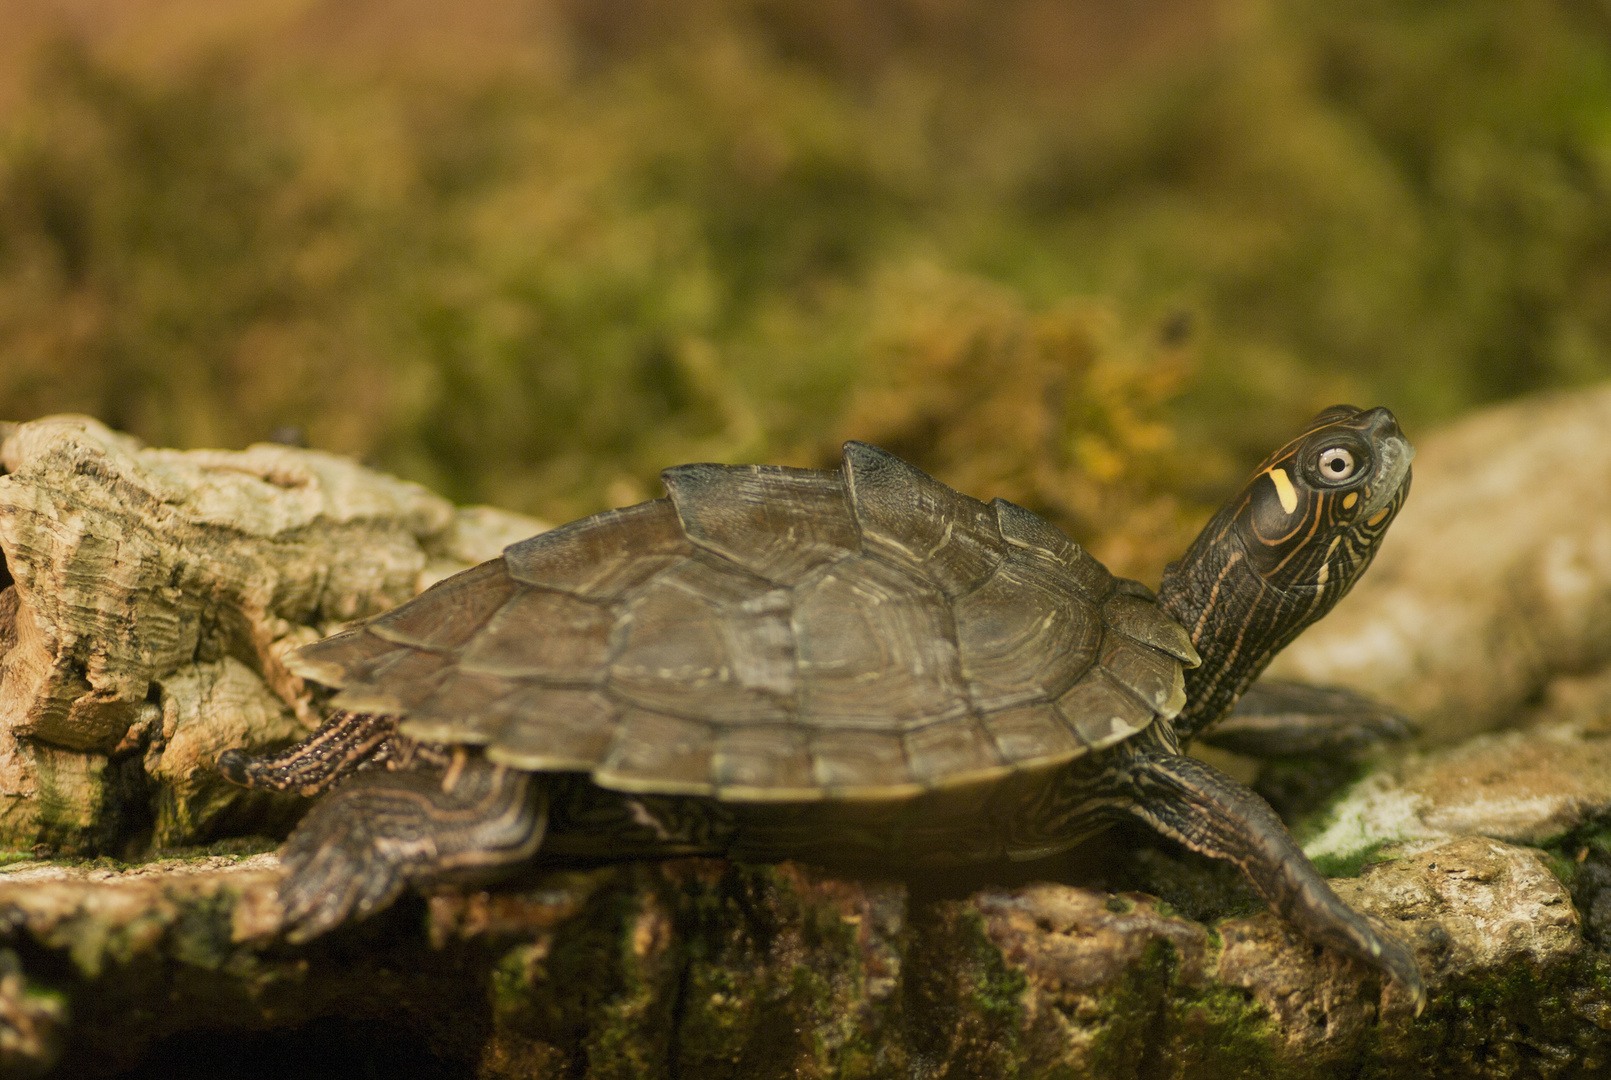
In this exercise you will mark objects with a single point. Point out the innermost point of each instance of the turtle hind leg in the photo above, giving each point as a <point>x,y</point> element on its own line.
<point>1210,813</point>
<point>357,850</point>
<point>1276,718</point>
<point>344,744</point>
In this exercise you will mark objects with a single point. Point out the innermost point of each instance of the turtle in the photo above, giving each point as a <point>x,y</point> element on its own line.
<point>857,666</point>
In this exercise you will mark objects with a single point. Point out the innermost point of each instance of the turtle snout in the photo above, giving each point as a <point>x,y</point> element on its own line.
<point>1380,425</point>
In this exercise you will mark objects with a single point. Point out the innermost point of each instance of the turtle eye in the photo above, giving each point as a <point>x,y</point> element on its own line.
<point>1336,465</point>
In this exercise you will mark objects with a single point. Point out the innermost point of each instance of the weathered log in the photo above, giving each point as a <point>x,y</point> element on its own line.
<point>705,969</point>
<point>151,595</point>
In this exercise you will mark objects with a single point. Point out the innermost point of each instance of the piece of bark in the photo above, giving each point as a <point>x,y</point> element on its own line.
<point>177,581</point>
<point>207,709</point>
<point>129,564</point>
<point>697,968</point>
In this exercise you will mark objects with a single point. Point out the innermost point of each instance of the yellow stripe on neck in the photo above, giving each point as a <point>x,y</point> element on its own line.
<point>1284,489</point>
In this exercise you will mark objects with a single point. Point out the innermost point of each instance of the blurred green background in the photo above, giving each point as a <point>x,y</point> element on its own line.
<point>1093,257</point>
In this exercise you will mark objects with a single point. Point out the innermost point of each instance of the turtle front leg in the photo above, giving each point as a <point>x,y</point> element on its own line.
<point>356,851</point>
<point>345,743</point>
<point>1210,813</point>
<point>1276,718</point>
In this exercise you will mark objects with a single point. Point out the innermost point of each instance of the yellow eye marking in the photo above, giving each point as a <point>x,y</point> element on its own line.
<point>1376,518</point>
<point>1284,490</point>
<point>1350,499</point>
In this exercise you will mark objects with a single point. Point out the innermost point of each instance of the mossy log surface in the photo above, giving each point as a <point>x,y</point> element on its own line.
<point>151,594</point>
<point>696,968</point>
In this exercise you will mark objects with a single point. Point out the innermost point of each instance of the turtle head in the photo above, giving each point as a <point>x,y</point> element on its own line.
<point>1283,550</point>
<point>1311,517</point>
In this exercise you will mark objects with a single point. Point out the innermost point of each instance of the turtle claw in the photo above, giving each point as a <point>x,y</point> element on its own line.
<point>1398,961</point>
<point>235,765</point>
<point>335,871</point>
<point>1365,938</point>
<point>333,889</point>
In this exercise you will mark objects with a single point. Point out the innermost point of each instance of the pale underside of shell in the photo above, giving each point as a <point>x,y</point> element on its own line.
<point>775,634</point>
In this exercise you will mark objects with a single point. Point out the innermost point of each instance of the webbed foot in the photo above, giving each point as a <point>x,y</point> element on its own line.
<point>380,831</point>
<point>1210,813</point>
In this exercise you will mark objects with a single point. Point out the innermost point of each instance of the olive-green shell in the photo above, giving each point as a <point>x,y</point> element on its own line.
<point>776,634</point>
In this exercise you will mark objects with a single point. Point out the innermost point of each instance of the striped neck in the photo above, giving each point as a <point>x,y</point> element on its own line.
<point>1237,622</point>
<point>1283,550</point>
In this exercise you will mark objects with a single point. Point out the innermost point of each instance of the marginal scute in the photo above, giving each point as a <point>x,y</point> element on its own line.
<point>654,752</point>
<point>1029,532</point>
<point>338,659</point>
<point>764,762</point>
<point>1033,736</point>
<point>542,634</point>
<point>1024,635</point>
<point>1152,676</point>
<point>604,556</point>
<point>521,724</point>
<point>952,752</point>
<point>1148,624</point>
<point>393,681</point>
<point>464,707</point>
<point>777,522</point>
<point>1102,712</point>
<point>708,640</point>
<point>549,728</point>
<point>919,524</point>
<point>862,765</point>
<point>875,649</point>
<point>448,614</point>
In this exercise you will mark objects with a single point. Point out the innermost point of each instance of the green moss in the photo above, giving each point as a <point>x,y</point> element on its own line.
<point>1188,885</point>
<point>510,982</point>
<point>776,978</point>
<point>234,847</point>
<point>1152,1025</point>
<point>997,987</point>
<point>1478,1019</point>
<point>72,788</point>
<point>708,231</point>
<point>1132,1014</point>
<point>1352,863</point>
<point>202,935</point>
<point>1564,867</point>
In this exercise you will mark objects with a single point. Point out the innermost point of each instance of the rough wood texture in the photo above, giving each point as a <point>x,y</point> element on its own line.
<point>701,969</point>
<point>154,593</point>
